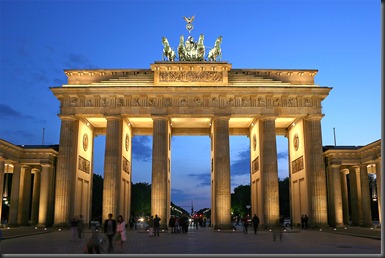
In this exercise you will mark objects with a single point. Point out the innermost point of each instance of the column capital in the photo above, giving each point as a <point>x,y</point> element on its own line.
<point>335,164</point>
<point>26,166</point>
<point>314,117</point>
<point>67,117</point>
<point>267,117</point>
<point>216,117</point>
<point>46,164</point>
<point>159,117</point>
<point>113,117</point>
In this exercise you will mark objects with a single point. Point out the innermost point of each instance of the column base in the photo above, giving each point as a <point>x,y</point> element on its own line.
<point>223,227</point>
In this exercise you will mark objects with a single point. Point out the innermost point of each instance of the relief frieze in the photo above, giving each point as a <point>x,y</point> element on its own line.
<point>192,101</point>
<point>84,165</point>
<point>126,165</point>
<point>297,165</point>
<point>255,165</point>
<point>190,76</point>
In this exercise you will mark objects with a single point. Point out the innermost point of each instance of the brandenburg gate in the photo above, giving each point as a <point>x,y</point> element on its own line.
<point>191,98</point>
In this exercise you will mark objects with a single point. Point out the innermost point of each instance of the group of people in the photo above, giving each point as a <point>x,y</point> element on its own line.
<point>304,221</point>
<point>252,222</point>
<point>154,225</point>
<point>115,232</point>
<point>77,226</point>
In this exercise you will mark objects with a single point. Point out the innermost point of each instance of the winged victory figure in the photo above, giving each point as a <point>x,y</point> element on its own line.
<point>189,19</point>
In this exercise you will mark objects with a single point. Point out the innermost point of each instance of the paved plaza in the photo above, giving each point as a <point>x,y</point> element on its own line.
<point>25,241</point>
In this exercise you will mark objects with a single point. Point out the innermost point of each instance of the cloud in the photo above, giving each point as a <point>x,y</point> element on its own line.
<point>282,155</point>
<point>140,148</point>
<point>241,166</point>
<point>203,179</point>
<point>77,61</point>
<point>7,112</point>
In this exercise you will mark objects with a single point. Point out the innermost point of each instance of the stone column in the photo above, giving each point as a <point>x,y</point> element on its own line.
<point>354,200</point>
<point>159,186</point>
<point>65,171</point>
<point>25,194</point>
<point>335,193</point>
<point>112,166</point>
<point>345,199</point>
<point>35,197</point>
<point>379,188</point>
<point>221,159</point>
<point>2,168</point>
<point>15,195</point>
<point>365,197</point>
<point>315,170</point>
<point>45,198</point>
<point>269,171</point>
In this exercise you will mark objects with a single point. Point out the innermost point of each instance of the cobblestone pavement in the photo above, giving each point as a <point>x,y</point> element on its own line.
<point>25,241</point>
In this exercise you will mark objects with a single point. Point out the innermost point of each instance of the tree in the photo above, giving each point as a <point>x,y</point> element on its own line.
<point>141,199</point>
<point>239,199</point>
<point>284,197</point>
<point>97,196</point>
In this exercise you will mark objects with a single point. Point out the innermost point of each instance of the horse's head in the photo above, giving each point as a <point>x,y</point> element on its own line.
<point>164,41</point>
<point>219,40</point>
<point>201,38</point>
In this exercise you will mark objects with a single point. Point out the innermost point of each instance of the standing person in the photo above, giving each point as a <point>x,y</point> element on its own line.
<point>245,224</point>
<point>303,221</point>
<point>306,220</point>
<point>80,226</point>
<point>110,230</point>
<point>121,230</point>
<point>151,226</point>
<point>74,228</point>
<point>255,221</point>
<point>156,225</point>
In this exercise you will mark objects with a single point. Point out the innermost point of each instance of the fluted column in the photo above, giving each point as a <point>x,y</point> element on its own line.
<point>354,200</point>
<point>112,166</point>
<point>365,197</point>
<point>379,188</point>
<point>336,211</point>
<point>345,199</point>
<point>66,169</point>
<point>315,171</point>
<point>45,198</point>
<point>15,195</point>
<point>35,196</point>
<point>25,194</point>
<point>221,159</point>
<point>159,185</point>
<point>2,168</point>
<point>269,171</point>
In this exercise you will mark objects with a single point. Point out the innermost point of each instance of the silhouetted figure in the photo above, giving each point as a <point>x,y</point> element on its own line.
<point>156,225</point>
<point>255,221</point>
<point>245,224</point>
<point>110,230</point>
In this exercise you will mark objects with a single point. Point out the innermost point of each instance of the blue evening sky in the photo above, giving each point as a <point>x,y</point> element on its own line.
<point>341,39</point>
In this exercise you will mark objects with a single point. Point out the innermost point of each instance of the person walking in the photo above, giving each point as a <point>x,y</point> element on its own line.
<point>80,226</point>
<point>73,228</point>
<point>156,225</point>
<point>255,221</point>
<point>245,224</point>
<point>110,231</point>
<point>121,232</point>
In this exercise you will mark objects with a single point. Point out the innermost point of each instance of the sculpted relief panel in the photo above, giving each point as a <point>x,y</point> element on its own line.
<point>192,101</point>
<point>191,76</point>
